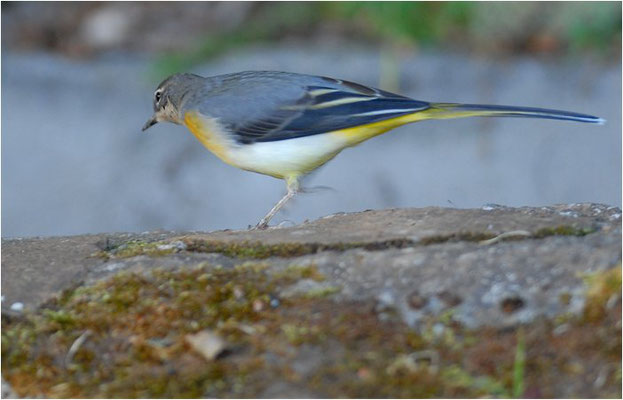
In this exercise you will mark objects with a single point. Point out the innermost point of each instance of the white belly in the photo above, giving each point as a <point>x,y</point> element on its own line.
<point>287,158</point>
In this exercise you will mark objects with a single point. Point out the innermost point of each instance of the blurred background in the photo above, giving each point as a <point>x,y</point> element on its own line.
<point>78,80</point>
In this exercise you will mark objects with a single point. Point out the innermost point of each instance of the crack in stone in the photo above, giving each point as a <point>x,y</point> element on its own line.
<point>255,249</point>
<point>259,250</point>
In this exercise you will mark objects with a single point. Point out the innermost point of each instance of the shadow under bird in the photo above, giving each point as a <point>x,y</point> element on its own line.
<point>286,125</point>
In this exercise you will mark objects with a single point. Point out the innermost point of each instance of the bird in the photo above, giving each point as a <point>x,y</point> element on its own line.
<point>286,125</point>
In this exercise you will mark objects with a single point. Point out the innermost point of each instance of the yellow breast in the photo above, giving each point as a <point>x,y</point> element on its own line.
<point>284,158</point>
<point>210,134</point>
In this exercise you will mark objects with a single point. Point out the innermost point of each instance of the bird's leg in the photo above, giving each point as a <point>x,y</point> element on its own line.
<point>293,188</point>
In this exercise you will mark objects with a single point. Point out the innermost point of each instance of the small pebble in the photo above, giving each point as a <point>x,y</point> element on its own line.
<point>416,301</point>
<point>258,305</point>
<point>449,298</point>
<point>612,301</point>
<point>560,329</point>
<point>238,293</point>
<point>17,306</point>
<point>438,329</point>
<point>206,343</point>
<point>177,245</point>
<point>511,304</point>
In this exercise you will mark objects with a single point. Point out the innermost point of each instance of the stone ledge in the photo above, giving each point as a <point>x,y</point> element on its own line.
<point>439,276</point>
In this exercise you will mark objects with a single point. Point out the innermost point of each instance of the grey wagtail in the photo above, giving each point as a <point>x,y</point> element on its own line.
<point>286,125</point>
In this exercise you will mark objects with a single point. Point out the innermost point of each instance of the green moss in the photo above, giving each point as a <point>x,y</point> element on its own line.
<point>61,317</point>
<point>565,298</point>
<point>125,313</point>
<point>321,292</point>
<point>258,250</point>
<point>136,347</point>
<point>457,237</point>
<point>563,230</point>
<point>255,250</point>
<point>519,366</point>
<point>602,286</point>
<point>459,378</point>
<point>294,271</point>
<point>135,248</point>
<point>297,335</point>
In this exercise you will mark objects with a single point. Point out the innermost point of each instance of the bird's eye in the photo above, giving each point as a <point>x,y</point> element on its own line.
<point>158,96</point>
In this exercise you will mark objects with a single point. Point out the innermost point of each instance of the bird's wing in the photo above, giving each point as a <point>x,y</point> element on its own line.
<point>265,110</point>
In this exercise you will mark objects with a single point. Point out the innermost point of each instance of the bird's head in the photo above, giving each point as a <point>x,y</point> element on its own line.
<point>169,97</point>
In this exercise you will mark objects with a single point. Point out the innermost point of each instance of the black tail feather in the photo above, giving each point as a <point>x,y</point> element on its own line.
<point>484,110</point>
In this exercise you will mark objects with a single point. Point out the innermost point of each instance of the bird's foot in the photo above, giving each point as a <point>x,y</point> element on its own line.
<point>262,225</point>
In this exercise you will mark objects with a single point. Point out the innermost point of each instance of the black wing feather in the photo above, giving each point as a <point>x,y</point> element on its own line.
<point>330,111</point>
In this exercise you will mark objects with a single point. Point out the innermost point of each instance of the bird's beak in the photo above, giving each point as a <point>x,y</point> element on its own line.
<point>151,121</point>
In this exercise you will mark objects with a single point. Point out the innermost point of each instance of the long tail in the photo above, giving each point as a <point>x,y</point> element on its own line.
<point>452,110</point>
